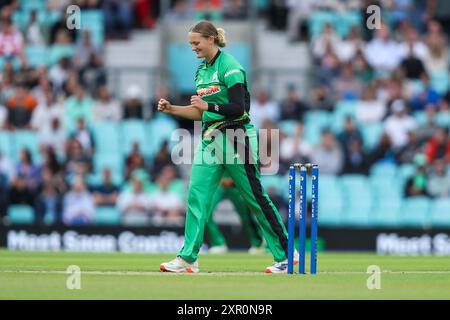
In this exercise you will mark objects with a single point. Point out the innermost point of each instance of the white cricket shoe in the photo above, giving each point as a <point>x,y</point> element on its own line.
<point>179,265</point>
<point>282,266</point>
<point>218,249</point>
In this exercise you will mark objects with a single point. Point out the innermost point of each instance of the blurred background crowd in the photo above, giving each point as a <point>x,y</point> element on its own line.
<point>375,116</point>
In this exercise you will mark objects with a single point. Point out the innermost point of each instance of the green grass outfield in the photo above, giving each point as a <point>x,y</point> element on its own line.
<point>25,275</point>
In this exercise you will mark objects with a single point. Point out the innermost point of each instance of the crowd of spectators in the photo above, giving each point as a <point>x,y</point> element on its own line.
<point>60,104</point>
<point>397,76</point>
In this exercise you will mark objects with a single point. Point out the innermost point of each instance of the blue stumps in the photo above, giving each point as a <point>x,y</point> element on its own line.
<point>314,217</point>
<point>291,220</point>
<point>302,220</point>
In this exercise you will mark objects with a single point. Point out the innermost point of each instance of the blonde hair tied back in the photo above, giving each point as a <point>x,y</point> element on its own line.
<point>221,39</point>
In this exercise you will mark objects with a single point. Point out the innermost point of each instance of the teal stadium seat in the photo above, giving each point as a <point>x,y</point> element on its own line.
<point>345,21</point>
<point>387,201</point>
<point>405,171</point>
<point>6,144</point>
<point>96,178</point>
<point>288,127</point>
<point>59,51</point>
<point>315,122</point>
<point>28,5</point>
<point>36,55</point>
<point>386,170</point>
<point>134,131</point>
<point>107,215</point>
<point>26,139</point>
<point>20,214</point>
<point>371,134</point>
<point>440,213</point>
<point>93,20</point>
<point>113,161</point>
<point>341,110</point>
<point>440,81</point>
<point>331,201</point>
<point>420,117</point>
<point>443,119</point>
<point>159,130</point>
<point>317,21</point>
<point>106,137</point>
<point>20,19</point>
<point>415,212</point>
<point>358,199</point>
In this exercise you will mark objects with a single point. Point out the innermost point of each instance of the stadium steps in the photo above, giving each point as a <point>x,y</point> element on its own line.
<point>135,57</point>
<point>277,53</point>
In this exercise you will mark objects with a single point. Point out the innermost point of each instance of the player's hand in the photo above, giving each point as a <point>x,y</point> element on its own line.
<point>198,103</point>
<point>164,106</point>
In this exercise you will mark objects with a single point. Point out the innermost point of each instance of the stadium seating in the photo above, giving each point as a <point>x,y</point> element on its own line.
<point>440,213</point>
<point>315,122</point>
<point>36,55</point>
<point>371,134</point>
<point>331,206</point>
<point>26,139</point>
<point>59,51</point>
<point>107,215</point>
<point>6,144</point>
<point>20,214</point>
<point>358,200</point>
<point>415,212</point>
<point>106,137</point>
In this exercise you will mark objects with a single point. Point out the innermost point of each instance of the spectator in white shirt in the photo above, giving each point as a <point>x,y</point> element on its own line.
<point>328,155</point>
<point>105,107</point>
<point>44,113</point>
<point>327,38</point>
<point>78,205</point>
<point>399,124</point>
<point>134,205</point>
<point>54,136</point>
<point>382,52</point>
<point>263,108</point>
<point>34,31</point>
<point>167,206</point>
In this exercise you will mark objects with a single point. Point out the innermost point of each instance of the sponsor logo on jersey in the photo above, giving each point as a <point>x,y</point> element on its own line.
<point>215,78</point>
<point>208,91</point>
<point>232,72</point>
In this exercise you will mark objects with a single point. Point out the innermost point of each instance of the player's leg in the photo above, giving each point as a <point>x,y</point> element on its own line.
<point>213,234</point>
<point>249,222</point>
<point>246,176</point>
<point>205,178</point>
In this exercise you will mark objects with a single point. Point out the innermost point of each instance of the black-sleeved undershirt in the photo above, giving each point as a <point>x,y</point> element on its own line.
<point>239,101</point>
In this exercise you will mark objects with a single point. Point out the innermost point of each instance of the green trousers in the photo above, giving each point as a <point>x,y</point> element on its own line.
<point>211,161</point>
<point>250,225</point>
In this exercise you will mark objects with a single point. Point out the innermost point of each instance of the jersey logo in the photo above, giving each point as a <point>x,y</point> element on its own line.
<point>215,78</point>
<point>231,72</point>
<point>208,91</point>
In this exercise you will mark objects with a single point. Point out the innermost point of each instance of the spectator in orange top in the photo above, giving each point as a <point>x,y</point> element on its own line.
<point>438,147</point>
<point>20,108</point>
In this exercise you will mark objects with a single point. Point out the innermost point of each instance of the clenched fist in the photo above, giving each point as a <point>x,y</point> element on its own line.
<point>164,106</point>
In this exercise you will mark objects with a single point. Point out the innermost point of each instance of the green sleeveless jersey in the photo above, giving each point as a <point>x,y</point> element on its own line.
<point>212,81</point>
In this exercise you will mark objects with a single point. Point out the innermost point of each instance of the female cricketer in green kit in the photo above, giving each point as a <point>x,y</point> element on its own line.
<point>222,103</point>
